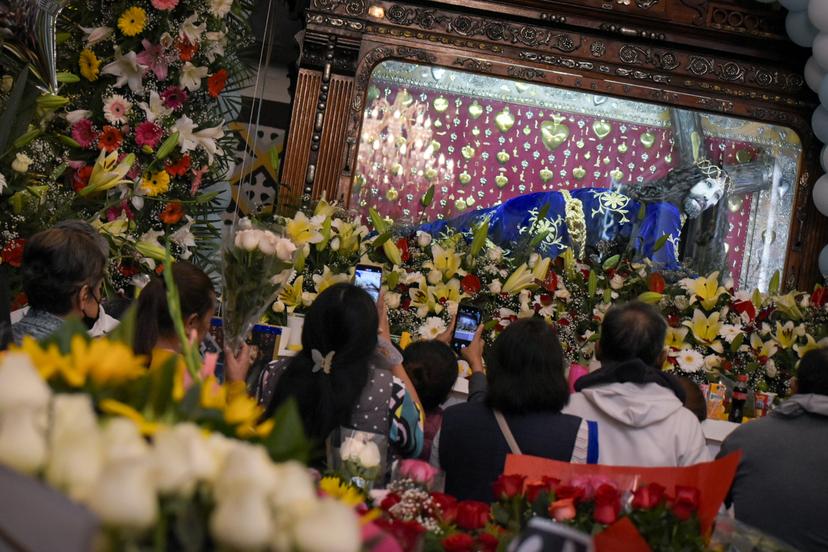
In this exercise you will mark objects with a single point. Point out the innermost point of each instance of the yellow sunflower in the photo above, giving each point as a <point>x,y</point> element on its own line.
<point>132,21</point>
<point>90,65</point>
<point>156,183</point>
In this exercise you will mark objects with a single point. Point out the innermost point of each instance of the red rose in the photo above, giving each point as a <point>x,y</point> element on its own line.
<point>673,320</point>
<point>470,284</point>
<point>765,314</point>
<point>819,297</point>
<point>447,505</point>
<point>686,502</point>
<point>742,307</point>
<point>563,509</point>
<point>550,283</point>
<point>656,283</point>
<point>508,486</point>
<point>570,491</point>
<point>607,504</point>
<point>534,490</point>
<point>472,514</point>
<point>646,498</point>
<point>81,178</point>
<point>458,542</point>
<point>12,253</point>
<point>405,254</point>
<point>391,499</point>
<point>486,542</point>
<point>406,533</point>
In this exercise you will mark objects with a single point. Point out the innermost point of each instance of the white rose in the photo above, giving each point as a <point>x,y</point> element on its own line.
<point>392,299</point>
<point>20,384</point>
<point>77,115</point>
<point>75,463</point>
<point>369,456</point>
<point>770,369</point>
<point>495,287</point>
<point>423,239</point>
<point>295,489</point>
<point>617,282</point>
<point>22,442</point>
<point>250,239</point>
<point>179,457</point>
<point>495,254</point>
<point>124,496</point>
<point>563,294</point>
<point>332,527</point>
<point>278,307</point>
<point>73,415</point>
<point>267,245</point>
<point>246,466</point>
<point>434,277</point>
<point>351,448</point>
<point>122,441</point>
<point>533,260</point>
<point>3,183</point>
<point>245,224</point>
<point>242,521</point>
<point>21,163</point>
<point>335,244</point>
<point>285,249</point>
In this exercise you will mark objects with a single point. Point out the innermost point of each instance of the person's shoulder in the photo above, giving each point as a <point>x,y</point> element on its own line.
<point>463,411</point>
<point>578,405</point>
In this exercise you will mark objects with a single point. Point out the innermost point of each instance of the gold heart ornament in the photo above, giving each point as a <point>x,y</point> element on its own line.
<point>601,129</point>
<point>623,148</point>
<point>616,175</point>
<point>546,175</point>
<point>440,104</point>
<point>501,181</point>
<point>464,178</point>
<point>404,98</point>
<point>579,172</point>
<point>647,139</point>
<point>392,194</point>
<point>503,157</point>
<point>475,110</point>
<point>504,120</point>
<point>467,152</point>
<point>553,134</point>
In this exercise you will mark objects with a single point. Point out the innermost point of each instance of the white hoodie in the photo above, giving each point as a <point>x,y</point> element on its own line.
<point>640,425</point>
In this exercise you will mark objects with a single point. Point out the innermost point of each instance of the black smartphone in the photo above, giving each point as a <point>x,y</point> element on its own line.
<point>369,278</point>
<point>468,319</point>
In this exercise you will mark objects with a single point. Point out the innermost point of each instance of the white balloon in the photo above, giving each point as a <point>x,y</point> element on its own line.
<point>823,158</point>
<point>813,74</point>
<point>795,5</point>
<point>820,194</point>
<point>823,262</point>
<point>801,31</point>
<point>818,14</point>
<point>819,123</point>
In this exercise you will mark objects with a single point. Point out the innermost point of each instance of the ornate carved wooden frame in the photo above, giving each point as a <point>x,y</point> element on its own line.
<point>728,56</point>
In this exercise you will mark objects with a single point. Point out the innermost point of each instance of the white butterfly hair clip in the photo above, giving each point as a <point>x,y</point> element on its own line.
<point>320,362</point>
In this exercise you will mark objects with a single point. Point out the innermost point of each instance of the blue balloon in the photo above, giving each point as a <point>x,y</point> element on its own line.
<point>795,5</point>
<point>819,122</point>
<point>800,28</point>
<point>823,261</point>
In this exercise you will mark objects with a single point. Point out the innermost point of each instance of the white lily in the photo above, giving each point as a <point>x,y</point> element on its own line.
<point>96,34</point>
<point>127,70</point>
<point>155,109</point>
<point>185,238</point>
<point>191,76</point>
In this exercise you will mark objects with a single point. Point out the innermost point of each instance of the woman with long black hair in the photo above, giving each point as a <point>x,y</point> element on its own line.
<point>348,374</point>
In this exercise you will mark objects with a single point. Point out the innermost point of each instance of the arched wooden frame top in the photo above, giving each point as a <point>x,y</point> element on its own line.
<point>666,74</point>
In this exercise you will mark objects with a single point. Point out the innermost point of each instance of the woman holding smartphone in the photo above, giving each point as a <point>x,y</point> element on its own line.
<point>348,374</point>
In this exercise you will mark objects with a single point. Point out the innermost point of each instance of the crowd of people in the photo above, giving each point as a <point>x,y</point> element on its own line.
<point>350,376</point>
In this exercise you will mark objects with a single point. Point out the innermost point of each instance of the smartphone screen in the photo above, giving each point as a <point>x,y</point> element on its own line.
<point>369,278</point>
<point>468,319</point>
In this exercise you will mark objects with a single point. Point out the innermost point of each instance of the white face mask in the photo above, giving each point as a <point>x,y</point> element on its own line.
<point>705,194</point>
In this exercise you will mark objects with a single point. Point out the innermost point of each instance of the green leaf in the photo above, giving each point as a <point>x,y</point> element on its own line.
<point>481,233</point>
<point>611,263</point>
<point>287,441</point>
<point>773,288</point>
<point>58,171</point>
<point>490,325</point>
<point>66,77</point>
<point>392,279</point>
<point>12,108</point>
<point>642,212</point>
<point>607,295</point>
<point>188,351</point>
<point>737,342</point>
<point>544,211</point>
<point>376,219</point>
<point>428,197</point>
<point>539,237</point>
<point>161,386</point>
<point>660,243</point>
<point>167,147</point>
<point>592,284</point>
<point>650,297</point>
<point>125,332</point>
<point>381,239</point>
<point>24,139</point>
<point>68,141</point>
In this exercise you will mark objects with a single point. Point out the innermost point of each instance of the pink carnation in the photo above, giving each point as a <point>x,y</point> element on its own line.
<point>148,134</point>
<point>173,97</point>
<point>84,133</point>
<point>164,4</point>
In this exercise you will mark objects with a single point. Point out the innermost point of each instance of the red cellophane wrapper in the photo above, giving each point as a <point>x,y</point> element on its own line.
<point>713,479</point>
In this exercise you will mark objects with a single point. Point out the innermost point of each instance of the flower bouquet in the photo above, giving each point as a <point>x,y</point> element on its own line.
<point>256,263</point>
<point>361,458</point>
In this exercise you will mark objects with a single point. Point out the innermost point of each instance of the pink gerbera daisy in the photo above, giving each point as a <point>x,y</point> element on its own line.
<point>84,133</point>
<point>174,97</point>
<point>164,4</point>
<point>148,134</point>
<point>116,109</point>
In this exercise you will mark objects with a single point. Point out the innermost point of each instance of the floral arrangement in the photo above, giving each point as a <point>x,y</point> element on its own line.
<point>133,141</point>
<point>256,263</point>
<point>714,329</point>
<point>184,488</point>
